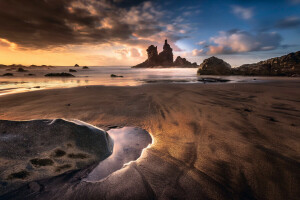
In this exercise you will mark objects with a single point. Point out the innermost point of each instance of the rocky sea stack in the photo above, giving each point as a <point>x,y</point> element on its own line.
<point>214,66</point>
<point>163,59</point>
<point>287,65</point>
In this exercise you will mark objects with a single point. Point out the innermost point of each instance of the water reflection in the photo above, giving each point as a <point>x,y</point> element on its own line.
<point>128,145</point>
<point>99,76</point>
<point>93,76</point>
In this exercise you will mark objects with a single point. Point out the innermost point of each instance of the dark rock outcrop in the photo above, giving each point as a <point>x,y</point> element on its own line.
<point>8,74</point>
<point>287,65</point>
<point>152,58</point>
<point>20,69</point>
<point>76,65</point>
<point>214,66</point>
<point>72,70</point>
<point>63,74</point>
<point>182,62</point>
<point>166,56</point>
<point>163,59</point>
<point>85,67</point>
<point>32,150</point>
<point>116,76</point>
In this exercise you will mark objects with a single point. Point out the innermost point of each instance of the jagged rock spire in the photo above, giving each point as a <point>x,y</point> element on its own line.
<point>163,59</point>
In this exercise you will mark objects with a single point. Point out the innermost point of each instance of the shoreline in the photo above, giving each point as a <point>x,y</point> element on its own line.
<point>146,82</point>
<point>209,140</point>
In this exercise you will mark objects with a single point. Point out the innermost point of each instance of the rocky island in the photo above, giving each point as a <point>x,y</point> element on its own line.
<point>164,59</point>
<point>287,65</point>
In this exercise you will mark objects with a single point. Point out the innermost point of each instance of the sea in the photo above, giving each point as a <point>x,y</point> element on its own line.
<point>22,82</point>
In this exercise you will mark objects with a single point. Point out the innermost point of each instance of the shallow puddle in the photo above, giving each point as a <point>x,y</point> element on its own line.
<point>129,143</point>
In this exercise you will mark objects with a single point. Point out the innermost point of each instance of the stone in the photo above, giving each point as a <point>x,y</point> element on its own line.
<point>20,69</point>
<point>214,66</point>
<point>85,67</point>
<point>182,62</point>
<point>72,70</point>
<point>34,186</point>
<point>63,74</point>
<point>76,65</point>
<point>38,149</point>
<point>115,76</point>
<point>8,74</point>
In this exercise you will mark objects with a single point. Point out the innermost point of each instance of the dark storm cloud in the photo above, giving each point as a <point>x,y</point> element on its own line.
<point>289,22</point>
<point>47,23</point>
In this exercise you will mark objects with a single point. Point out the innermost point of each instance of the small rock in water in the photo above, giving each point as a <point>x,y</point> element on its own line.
<point>63,74</point>
<point>212,80</point>
<point>8,74</point>
<point>20,69</point>
<point>114,76</point>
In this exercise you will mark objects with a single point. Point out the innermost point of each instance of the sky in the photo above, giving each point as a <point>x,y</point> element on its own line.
<point>118,32</point>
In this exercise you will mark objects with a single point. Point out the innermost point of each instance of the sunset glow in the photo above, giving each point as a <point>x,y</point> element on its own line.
<point>109,33</point>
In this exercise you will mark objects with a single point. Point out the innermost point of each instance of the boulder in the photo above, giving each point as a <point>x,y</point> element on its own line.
<point>182,62</point>
<point>37,149</point>
<point>214,66</point>
<point>76,65</point>
<point>72,70</point>
<point>20,69</point>
<point>85,67</point>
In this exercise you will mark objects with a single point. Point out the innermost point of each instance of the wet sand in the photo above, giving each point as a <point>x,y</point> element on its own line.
<point>211,141</point>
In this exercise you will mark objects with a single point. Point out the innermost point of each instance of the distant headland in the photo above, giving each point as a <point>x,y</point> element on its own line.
<point>164,59</point>
<point>287,65</point>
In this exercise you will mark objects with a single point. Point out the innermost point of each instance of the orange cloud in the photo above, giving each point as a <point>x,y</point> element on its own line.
<point>11,45</point>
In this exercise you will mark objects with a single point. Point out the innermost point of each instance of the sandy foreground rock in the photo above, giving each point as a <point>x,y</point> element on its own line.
<point>38,149</point>
<point>210,141</point>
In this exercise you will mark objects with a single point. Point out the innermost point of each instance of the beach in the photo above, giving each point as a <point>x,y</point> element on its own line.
<point>210,141</point>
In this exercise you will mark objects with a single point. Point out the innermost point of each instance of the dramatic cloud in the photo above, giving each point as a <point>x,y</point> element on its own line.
<point>242,41</point>
<point>289,22</point>
<point>6,43</point>
<point>245,13</point>
<point>197,52</point>
<point>201,43</point>
<point>131,52</point>
<point>44,24</point>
